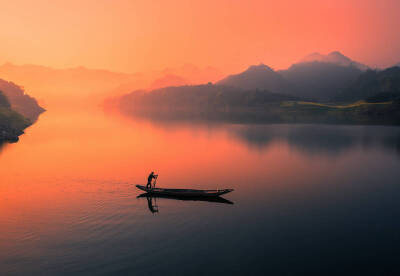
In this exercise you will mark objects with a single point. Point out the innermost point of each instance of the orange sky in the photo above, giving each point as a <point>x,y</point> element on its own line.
<point>131,36</point>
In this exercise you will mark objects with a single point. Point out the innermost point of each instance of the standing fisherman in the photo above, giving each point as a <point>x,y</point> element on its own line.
<point>150,178</point>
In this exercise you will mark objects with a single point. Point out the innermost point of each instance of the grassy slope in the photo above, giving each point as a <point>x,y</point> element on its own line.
<point>333,105</point>
<point>357,112</point>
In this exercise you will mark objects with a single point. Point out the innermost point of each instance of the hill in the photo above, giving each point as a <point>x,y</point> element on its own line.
<point>316,76</point>
<point>374,86</point>
<point>319,80</point>
<point>168,80</point>
<point>61,86</point>
<point>195,97</point>
<point>335,57</point>
<point>231,104</point>
<point>21,102</point>
<point>322,77</point>
<point>258,77</point>
<point>85,86</point>
<point>202,102</point>
<point>12,123</point>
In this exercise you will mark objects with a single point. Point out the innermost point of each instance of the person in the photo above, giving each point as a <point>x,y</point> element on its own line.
<point>149,179</point>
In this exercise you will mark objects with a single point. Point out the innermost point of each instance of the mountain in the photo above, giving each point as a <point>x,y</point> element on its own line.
<point>316,76</point>
<point>19,101</point>
<point>168,80</point>
<point>319,80</point>
<point>192,74</point>
<point>12,124</point>
<point>334,58</point>
<point>257,77</point>
<point>374,86</point>
<point>216,103</point>
<point>203,98</point>
<point>4,102</point>
<point>62,86</point>
<point>82,86</point>
<point>17,111</point>
<point>260,94</point>
<point>322,77</point>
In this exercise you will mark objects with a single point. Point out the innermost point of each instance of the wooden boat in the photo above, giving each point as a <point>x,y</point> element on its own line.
<point>184,192</point>
<point>215,199</point>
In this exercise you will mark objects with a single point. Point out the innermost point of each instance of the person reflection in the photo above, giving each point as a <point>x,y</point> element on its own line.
<point>152,208</point>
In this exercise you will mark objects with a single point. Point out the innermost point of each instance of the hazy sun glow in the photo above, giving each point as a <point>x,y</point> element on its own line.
<point>131,36</point>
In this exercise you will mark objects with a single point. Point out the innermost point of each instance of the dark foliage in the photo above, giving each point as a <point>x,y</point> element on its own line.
<point>196,97</point>
<point>319,80</point>
<point>374,86</point>
<point>4,101</point>
<point>21,102</point>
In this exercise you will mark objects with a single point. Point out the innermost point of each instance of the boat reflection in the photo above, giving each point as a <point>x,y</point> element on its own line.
<point>152,200</point>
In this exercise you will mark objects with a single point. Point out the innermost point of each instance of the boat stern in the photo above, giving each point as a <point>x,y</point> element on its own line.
<point>141,187</point>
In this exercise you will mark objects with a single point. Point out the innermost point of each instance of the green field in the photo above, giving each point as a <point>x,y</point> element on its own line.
<point>331,105</point>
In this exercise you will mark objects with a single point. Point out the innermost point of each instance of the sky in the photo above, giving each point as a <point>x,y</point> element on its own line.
<point>134,36</point>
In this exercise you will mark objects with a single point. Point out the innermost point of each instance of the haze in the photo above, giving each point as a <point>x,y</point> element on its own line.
<point>136,36</point>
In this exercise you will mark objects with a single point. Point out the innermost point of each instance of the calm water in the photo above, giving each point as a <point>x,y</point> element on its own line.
<point>308,198</point>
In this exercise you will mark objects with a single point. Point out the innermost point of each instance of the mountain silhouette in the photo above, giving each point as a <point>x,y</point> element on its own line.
<point>20,101</point>
<point>81,85</point>
<point>12,124</point>
<point>374,86</point>
<point>194,98</point>
<point>258,77</point>
<point>335,57</point>
<point>322,77</point>
<point>317,77</point>
<point>168,80</point>
<point>319,80</point>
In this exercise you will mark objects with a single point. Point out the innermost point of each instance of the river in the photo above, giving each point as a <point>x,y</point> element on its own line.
<point>320,199</point>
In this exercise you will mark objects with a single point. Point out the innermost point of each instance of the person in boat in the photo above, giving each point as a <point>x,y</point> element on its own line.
<point>150,179</point>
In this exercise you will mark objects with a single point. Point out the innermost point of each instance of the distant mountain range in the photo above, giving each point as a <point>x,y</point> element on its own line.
<point>318,80</point>
<point>80,84</point>
<point>307,91</point>
<point>201,102</point>
<point>334,58</point>
<point>317,77</point>
<point>374,86</point>
<point>258,77</point>
<point>64,86</point>
<point>168,80</point>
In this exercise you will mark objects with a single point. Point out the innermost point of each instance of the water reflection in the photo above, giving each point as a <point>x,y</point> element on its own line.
<point>67,196</point>
<point>317,139</point>
<point>2,145</point>
<point>328,139</point>
<point>152,200</point>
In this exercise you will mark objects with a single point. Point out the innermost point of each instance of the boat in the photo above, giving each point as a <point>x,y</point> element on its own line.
<point>216,199</point>
<point>184,192</point>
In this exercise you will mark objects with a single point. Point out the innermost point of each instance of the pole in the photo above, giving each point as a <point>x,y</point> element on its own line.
<point>155,181</point>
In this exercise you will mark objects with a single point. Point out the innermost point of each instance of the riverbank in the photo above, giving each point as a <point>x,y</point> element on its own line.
<point>12,125</point>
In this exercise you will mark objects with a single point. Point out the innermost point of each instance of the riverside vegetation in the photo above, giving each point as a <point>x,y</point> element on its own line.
<point>17,111</point>
<point>320,89</point>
